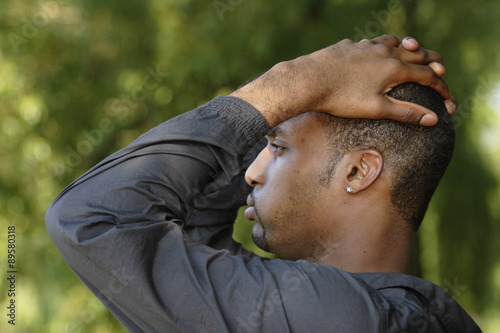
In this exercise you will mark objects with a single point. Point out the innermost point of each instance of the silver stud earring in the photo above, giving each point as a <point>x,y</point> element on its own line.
<point>349,189</point>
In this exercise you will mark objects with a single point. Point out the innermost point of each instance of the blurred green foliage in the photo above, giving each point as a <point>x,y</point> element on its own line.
<point>81,79</point>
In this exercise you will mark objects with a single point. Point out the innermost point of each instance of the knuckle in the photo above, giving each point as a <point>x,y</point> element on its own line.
<point>407,116</point>
<point>427,56</point>
<point>390,37</point>
<point>366,41</point>
<point>441,88</point>
<point>394,65</point>
<point>284,67</point>
<point>346,41</point>
<point>343,44</point>
<point>431,77</point>
<point>382,50</point>
<point>386,38</point>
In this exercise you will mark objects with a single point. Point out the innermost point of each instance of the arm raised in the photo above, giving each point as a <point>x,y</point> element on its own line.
<point>349,79</point>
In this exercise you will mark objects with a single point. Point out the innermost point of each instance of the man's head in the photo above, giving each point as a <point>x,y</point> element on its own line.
<point>416,156</point>
<point>300,201</point>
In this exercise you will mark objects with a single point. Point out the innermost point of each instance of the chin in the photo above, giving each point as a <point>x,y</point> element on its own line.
<point>259,237</point>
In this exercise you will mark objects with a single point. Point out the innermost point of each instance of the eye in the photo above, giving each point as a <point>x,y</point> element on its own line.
<point>277,149</point>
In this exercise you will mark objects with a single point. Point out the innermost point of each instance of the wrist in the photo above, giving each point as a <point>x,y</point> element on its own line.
<point>278,94</point>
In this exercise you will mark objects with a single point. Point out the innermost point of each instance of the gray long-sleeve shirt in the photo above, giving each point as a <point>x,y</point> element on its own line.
<point>149,231</point>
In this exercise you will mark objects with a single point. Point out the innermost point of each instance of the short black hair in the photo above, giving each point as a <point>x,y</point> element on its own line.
<point>416,156</point>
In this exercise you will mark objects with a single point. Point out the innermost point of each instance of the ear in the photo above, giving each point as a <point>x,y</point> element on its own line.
<point>364,168</point>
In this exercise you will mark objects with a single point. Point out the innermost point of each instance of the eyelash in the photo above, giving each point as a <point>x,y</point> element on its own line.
<point>278,149</point>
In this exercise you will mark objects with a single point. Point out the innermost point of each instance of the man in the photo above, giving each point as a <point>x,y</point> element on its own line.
<point>356,204</point>
<point>148,230</point>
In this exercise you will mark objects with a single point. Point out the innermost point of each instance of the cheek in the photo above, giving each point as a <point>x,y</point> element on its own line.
<point>286,203</point>
<point>291,218</point>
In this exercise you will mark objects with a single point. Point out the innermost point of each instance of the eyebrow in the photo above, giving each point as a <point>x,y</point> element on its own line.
<point>278,130</point>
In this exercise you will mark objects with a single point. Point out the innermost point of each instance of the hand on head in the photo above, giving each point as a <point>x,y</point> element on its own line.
<point>411,44</point>
<point>437,66</point>
<point>350,79</point>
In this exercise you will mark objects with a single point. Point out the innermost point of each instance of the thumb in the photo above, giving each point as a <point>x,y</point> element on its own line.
<point>410,113</point>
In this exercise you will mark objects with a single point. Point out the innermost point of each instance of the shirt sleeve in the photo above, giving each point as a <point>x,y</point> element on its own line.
<point>148,230</point>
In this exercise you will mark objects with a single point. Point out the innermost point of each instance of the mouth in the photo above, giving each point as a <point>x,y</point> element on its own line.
<point>250,211</point>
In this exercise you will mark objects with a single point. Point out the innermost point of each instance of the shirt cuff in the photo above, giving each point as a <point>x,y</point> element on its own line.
<point>243,115</point>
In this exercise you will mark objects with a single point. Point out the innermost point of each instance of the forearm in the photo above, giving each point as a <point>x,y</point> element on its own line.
<point>119,225</point>
<point>188,158</point>
<point>277,94</point>
<point>349,80</point>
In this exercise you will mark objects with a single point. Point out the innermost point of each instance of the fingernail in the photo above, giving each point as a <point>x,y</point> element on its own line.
<point>428,120</point>
<point>450,106</point>
<point>411,39</point>
<point>438,68</point>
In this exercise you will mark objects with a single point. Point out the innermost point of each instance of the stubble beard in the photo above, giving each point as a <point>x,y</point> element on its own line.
<point>259,233</point>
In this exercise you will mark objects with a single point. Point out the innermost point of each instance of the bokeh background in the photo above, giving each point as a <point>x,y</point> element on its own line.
<point>81,79</point>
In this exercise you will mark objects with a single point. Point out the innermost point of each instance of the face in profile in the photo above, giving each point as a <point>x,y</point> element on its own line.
<point>290,205</point>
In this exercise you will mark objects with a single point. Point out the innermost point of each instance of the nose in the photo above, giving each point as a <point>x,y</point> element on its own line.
<point>255,174</point>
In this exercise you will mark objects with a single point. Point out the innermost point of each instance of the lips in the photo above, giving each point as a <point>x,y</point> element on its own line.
<point>250,211</point>
<point>250,200</point>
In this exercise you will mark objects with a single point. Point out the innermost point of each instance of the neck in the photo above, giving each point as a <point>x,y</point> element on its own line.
<point>374,244</point>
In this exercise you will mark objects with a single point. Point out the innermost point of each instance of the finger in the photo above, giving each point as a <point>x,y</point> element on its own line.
<point>409,113</point>
<point>426,76</point>
<point>423,75</point>
<point>451,105</point>
<point>388,40</point>
<point>430,56</point>
<point>410,43</point>
<point>420,56</point>
<point>438,68</point>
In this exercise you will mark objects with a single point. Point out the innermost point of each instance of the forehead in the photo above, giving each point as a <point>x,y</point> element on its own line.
<point>305,125</point>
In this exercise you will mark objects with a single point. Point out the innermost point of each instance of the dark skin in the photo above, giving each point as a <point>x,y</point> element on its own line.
<point>297,216</point>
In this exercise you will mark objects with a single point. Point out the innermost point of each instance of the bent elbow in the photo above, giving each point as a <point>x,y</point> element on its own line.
<point>53,218</point>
